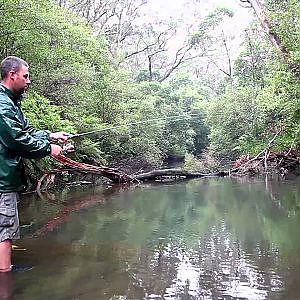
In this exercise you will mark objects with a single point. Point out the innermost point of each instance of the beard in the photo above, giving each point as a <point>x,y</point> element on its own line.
<point>22,91</point>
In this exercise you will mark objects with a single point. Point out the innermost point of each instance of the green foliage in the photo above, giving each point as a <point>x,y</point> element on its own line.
<point>285,16</point>
<point>204,37</point>
<point>77,86</point>
<point>44,115</point>
<point>253,63</point>
<point>265,97</point>
<point>191,163</point>
<point>245,119</point>
<point>89,150</point>
<point>231,117</point>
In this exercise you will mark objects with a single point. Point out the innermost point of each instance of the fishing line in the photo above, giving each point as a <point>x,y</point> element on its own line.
<point>171,118</point>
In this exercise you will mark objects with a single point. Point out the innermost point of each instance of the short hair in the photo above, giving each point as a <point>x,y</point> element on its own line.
<point>11,63</point>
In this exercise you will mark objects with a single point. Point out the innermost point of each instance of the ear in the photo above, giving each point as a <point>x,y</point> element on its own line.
<point>12,75</point>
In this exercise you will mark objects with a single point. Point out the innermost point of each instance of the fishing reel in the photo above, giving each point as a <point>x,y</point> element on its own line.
<point>68,148</point>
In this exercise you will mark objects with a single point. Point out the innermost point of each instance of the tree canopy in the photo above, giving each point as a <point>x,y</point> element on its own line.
<point>94,64</point>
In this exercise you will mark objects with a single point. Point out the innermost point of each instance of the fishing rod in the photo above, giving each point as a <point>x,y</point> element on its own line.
<point>171,118</point>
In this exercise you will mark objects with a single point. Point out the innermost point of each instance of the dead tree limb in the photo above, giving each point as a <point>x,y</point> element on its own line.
<point>117,176</point>
<point>267,148</point>
<point>169,174</point>
<point>114,175</point>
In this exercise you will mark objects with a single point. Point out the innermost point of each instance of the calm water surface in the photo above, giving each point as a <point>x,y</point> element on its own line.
<point>201,239</point>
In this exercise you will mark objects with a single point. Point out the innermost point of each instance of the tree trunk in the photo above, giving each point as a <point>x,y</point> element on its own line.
<point>274,38</point>
<point>171,174</point>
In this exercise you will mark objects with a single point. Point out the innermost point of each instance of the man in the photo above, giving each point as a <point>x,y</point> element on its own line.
<point>17,140</point>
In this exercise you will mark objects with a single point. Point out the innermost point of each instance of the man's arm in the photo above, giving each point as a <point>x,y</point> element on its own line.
<point>16,138</point>
<point>60,137</point>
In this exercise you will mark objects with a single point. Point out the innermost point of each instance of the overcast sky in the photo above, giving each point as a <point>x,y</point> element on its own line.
<point>186,10</point>
<point>191,11</point>
<point>177,7</point>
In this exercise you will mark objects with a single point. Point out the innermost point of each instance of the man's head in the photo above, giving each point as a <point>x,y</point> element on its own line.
<point>15,74</point>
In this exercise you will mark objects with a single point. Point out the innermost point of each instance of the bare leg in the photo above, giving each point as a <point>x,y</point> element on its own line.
<point>6,285</point>
<point>5,256</point>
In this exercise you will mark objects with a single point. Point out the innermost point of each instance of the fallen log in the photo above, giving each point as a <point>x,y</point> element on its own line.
<point>246,165</point>
<point>117,176</point>
<point>165,174</point>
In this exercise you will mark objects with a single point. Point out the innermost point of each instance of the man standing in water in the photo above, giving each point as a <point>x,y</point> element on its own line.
<point>17,140</point>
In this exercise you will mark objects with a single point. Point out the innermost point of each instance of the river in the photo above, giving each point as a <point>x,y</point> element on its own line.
<point>213,238</point>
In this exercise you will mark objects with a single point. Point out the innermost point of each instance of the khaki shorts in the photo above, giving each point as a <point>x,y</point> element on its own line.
<point>9,219</point>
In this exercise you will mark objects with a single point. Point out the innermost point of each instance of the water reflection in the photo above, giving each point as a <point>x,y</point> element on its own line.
<point>217,267</point>
<point>204,239</point>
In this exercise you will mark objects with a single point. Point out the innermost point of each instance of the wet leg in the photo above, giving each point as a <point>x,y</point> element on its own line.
<point>5,256</point>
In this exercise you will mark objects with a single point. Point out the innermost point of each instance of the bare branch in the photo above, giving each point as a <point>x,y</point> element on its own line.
<point>227,54</point>
<point>179,58</point>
